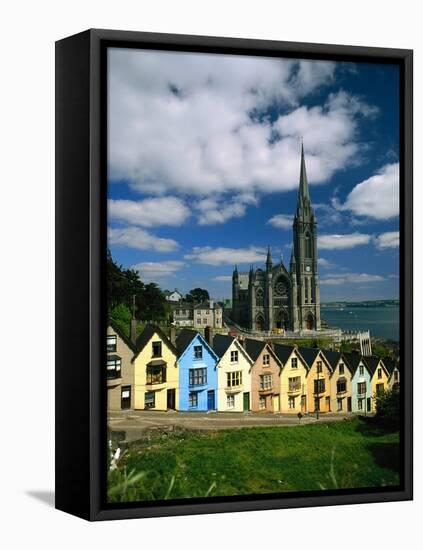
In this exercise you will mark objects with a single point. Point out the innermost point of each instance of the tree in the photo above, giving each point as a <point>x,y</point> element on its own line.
<point>197,295</point>
<point>121,315</point>
<point>388,408</point>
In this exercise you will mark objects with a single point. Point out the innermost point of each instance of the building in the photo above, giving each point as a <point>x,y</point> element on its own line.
<point>275,297</point>
<point>208,314</point>
<point>197,363</point>
<point>340,382</point>
<point>156,375</point>
<point>183,314</point>
<point>233,374</point>
<point>318,380</point>
<point>293,379</point>
<point>120,370</point>
<point>265,376</point>
<point>173,295</point>
<point>361,383</point>
<point>394,373</point>
<point>379,381</point>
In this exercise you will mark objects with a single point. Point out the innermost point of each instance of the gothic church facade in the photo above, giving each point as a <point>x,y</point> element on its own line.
<point>274,297</point>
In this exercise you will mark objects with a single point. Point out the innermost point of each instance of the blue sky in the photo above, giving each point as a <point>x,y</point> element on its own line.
<point>204,158</point>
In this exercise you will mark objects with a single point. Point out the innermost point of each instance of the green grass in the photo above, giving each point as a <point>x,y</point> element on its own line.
<point>182,464</point>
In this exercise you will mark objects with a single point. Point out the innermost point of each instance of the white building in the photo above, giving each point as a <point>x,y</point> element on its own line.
<point>208,314</point>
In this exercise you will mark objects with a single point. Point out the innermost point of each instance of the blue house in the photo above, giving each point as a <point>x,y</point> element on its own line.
<point>197,372</point>
<point>361,383</point>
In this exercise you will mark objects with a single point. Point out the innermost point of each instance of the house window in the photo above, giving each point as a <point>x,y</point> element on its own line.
<point>262,402</point>
<point>341,385</point>
<point>234,356</point>
<point>197,377</point>
<point>319,366</point>
<point>266,382</point>
<point>111,342</point>
<point>177,312</point>
<point>361,388</point>
<point>319,386</point>
<point>157,349</point>
<point>150,399</point>
<point>234,379</point>
<point>266,360</point>
<point>395,375</point>
<point>294,384</point>
<point>198,352</point>
<point>198,320</point>
<point>339,401</point>
<point>294,363</point>
<point>341,368</point>
<point>204,321</point>
<point>114,368</point>
<point>379,373</point>
<point>291,402</point>
<point>379,389</point>
<point>156,374</point>
<point>193,399</point>
<point>230,401</point>
<point>361,370</point>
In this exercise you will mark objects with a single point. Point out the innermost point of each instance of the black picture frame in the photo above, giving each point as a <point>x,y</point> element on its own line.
<point>81,276</point>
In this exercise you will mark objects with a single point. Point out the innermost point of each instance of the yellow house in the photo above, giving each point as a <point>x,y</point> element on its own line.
<point>318,380</point>
<point>379,380</point>
<point>293,379</point>
<point>340,382</point>
<point>120,370</point>
<point>156,377</point>
<point>394,373</point>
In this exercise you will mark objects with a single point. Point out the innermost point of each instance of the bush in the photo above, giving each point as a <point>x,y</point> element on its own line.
<point>388,408</point>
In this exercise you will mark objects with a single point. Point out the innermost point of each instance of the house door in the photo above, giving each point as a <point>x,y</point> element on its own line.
<point>276,404</point>
<point>349,406</point>
<point>303,403</point>
<point>210,400</point>
<point>125,401</point>
<point>369,404</point>
<point>171,399</point>
<point>328,404</point>
<point>246,401</point>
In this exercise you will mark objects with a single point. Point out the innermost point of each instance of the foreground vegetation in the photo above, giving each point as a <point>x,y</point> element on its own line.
<point>181,464</point>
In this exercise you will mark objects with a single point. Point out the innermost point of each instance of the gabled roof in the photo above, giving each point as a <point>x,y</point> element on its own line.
<point>283,352</point>
<point>254,347</point>
<point>221,343</point>
<point>332,357</point>
<point>309,354</point>
<point>390,364</point>
<point>206,305</point>
<point>122,335</point>
<point>147,334</point>
<point>185,338</point>
<point>372,363</point>
<point>352,359</point>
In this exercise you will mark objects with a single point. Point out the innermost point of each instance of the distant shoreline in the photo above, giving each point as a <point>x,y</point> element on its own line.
<point>364,303</point>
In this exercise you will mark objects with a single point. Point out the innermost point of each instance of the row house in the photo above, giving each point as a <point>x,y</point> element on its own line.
<point>233,374</point>
<point>394,373</point>
<point>265,376</point>
<point>379,377</point>
<point>293,379</point>
<point>120,369</point>
<point>197,364</point>
<point>340,382</point>
<point>361,383</point>
<point>318,380</point>
<point>156,377</point>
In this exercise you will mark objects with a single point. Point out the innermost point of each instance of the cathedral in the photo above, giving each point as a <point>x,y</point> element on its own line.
<point>274,297</point>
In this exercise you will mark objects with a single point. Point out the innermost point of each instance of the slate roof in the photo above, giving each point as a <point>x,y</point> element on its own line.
<point>372,362</point>
<point>309,354</point>
<point>221,343</point>
<point>122,335</point>
<point>390,364</point>
<point>145,336</point>
<point>206,305</point>
<point>283,352</point>
<point>184,339</point>
<point>332,357</point>
<point>353,360</point>
<point>254,348</point>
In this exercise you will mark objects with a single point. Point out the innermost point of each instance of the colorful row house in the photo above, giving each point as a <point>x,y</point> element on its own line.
<point>200,373</point>
<point>233,374</point>
<point>197,366</point>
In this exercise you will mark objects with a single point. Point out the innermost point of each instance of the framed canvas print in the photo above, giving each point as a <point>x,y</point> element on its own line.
<point>234,274</point>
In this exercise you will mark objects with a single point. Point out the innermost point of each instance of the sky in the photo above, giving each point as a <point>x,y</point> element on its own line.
<point>204,163</point>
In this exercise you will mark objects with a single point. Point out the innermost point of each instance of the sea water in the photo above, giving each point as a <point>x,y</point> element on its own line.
<point>383,322</point>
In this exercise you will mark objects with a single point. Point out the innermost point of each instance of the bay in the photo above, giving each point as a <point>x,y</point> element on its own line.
<point>383,322</point>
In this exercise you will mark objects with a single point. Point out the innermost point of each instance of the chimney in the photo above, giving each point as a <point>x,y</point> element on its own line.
<point>208,335</point>
<point>173,335</point>
<point>133,330</point>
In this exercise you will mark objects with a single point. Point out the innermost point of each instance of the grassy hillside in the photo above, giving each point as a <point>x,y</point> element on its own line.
<point>256,460</point>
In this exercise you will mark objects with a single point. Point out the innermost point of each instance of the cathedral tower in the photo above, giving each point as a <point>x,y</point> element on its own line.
<point>305,256</point>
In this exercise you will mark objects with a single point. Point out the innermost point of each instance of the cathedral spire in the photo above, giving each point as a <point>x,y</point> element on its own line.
<point>269,258</point>
<point>303,192</point>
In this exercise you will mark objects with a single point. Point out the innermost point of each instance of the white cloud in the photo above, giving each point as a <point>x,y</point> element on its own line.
<point>223,278</point>
<point>325,264</point>
<point>150,271</point>
<point>378,196</point>
<point>388,240</point>
<point>219,210</point>
<point>149,212</point>
<point>195,123</point>
<point>339,242</point>
<point>350,278</point>
<point>133,237</point>
<point>221,256</point>
<point>281,221</point>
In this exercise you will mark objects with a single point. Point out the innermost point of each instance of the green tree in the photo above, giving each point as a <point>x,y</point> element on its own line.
<point>197,295</point>
<point>121,315</point>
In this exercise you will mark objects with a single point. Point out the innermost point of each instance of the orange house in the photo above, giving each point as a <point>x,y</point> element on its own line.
<point>265,376</point>
<point>318,380</point>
